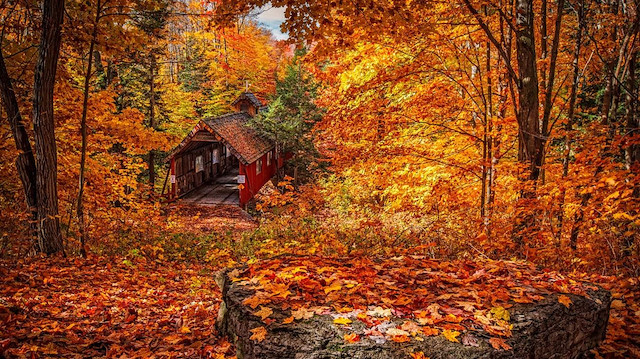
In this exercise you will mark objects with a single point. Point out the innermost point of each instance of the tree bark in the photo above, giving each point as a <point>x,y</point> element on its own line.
<point>632,151</point>
<point>532,143</point>
<point>568,137</point>
<point>83,133</point>
<point>49,235</point>
<point>530,139</point>
<point>152,122</point>
<point>25,162</point>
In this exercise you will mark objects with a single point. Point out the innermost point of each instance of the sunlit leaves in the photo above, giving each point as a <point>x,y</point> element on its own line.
<point>351,338</point>
<point>263,313</point>
<point>429,297</point>
<point>342,320</point>
<point>451,335</point>
<point>564,300</point>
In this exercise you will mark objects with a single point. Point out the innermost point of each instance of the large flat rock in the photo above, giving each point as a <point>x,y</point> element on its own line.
<point>310,307</point>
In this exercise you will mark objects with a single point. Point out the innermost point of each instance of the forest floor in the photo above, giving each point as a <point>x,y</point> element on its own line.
<point>199,220</point>
<point>153,306</point>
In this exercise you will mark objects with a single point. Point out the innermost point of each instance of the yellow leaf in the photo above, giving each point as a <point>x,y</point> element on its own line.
<point>333,287</point>
<point>500,313</point>
<point>184,330</point>
<point>258,334</point>
<point>564,300</point>
<point>451,335</point>
<point>342,320</point>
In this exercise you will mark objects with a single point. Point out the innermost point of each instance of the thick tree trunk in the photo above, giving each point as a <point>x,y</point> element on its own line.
<point>530,139</point>
<point>25,162</point>
<point>49,235</point>
<point>532,143</point>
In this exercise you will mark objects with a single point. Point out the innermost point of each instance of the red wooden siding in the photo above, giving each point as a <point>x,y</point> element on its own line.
<point>253,180</point>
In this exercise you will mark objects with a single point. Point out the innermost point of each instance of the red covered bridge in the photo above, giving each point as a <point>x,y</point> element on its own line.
<point>222,160</point>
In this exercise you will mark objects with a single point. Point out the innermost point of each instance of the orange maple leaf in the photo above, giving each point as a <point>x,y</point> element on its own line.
<point>263,313</point>
<point>499,344</point>
<point>259,334</point>
<point>564,300</point>
<point>400,338</point>
<point>351,338</point>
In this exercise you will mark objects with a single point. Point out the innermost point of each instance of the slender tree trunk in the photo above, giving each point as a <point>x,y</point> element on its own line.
<point>548,84</point>
<point>83,133</point>
<point>488,144</point>
<point>631,129</point>
<point>152,122</point>
<point>25,162</point>
<point>632,151</point>
<point>608,115</point>
<point>543,46</point>
<point>568,137</point>
<point>49,235</point>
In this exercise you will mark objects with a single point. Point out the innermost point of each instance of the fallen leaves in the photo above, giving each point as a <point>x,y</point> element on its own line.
<point>419,355</point>
<point>101,307</point>
<point>500,313</point>
<point>499,343</point>
<point>564,300</point>
<point>302,313</point>
<point>431,297</point>
<point>342,320</point>
<point>451,335</point>
<point>258,334</point>
<point>333,287</point>
<point>351,338</point>
<point>263,313</point>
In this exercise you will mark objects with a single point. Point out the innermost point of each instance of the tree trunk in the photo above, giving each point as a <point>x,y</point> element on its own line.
<point>25,162</point>
<point>49,235</point>
<point>632,151</point>
<point>532,143</point>
<point>530,139</point>
<point>568,137</point>
<point>152,122</point>
<point>83,132</point>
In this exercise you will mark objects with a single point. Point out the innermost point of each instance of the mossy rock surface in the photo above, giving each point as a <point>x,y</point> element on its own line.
<point>541,330</point>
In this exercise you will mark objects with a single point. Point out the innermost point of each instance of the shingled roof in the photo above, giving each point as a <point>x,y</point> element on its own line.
<point>244,142</point>
<point>248,96</point>
<point>232,130</point>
